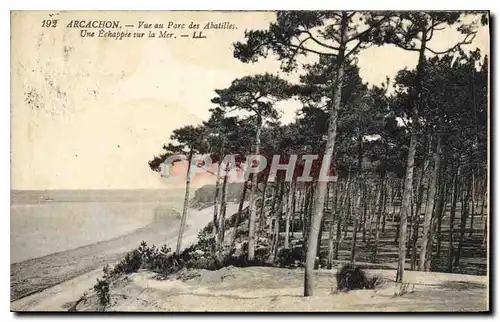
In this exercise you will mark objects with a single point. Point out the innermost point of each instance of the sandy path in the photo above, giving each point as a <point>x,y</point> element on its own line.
<point>78,268</point>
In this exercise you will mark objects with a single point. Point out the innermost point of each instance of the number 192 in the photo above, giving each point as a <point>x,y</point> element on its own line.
<point>49,23</point>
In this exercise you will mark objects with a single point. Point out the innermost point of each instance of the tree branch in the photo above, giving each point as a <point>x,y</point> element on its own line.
<point>466,41</point>
<point>354,49</point>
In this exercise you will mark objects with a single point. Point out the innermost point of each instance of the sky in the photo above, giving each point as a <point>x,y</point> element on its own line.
<point>88,113</point>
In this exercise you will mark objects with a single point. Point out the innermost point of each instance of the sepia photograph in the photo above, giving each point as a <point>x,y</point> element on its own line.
<point>250,161</point>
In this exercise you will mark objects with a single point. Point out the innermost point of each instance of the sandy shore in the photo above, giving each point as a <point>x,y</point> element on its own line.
<point>52,281</point>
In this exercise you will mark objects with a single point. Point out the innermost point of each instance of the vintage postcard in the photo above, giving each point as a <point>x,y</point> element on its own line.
<point>178,161</point>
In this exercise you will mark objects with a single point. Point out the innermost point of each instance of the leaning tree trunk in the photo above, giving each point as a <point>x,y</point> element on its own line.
<point>426,235</point>
<point>185,207</point>
<point>319,201</point>
<point>254,197</point>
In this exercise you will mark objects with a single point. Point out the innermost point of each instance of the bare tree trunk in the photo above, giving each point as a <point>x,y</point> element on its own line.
<point>485,233</point>
<point>262,219</point>
<point>398,227</point>
<point>472,212</point>
<point>426,235</point>
<point>253,197</point>
<point>384,209</point>
<point>410,163</point>
<point>377,221</point>
<point>319,201</point>
<point>440,210</point>
<point>288,215</point>
<point>414,238</point>
<point>272,210</point>
<point>354,205</point>
<point>185,207</point>
<point>482,206</point>
<point>452,220</point>
<point>240,209</point>
<point>393,201</point>
<point>215,223</point>
<point>222,216</point>
<point>277,217</point>
<point>365,210</point>
<point>406,205</point>
<point>333,217</point>
<point>463,220</point>
<point>294,197</point>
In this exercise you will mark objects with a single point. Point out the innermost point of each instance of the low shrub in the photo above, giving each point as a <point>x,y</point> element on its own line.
<point>102,290</point>
<point>290,257</point>
<point>353,278</point>
<point>130,264</point>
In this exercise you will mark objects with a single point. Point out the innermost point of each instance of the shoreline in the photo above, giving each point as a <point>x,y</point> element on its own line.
<point>71,268</point>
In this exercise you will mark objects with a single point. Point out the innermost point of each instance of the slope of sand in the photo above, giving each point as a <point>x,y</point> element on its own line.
<point>276,289</point>
<point>49,282</point>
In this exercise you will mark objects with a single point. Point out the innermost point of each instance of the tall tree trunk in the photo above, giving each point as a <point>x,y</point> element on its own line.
<point>185,206</point>
<point>253,197</point>
<point>410,163</point>
<point>277,218</point>
<point>393,200</point>
<point>426,235</point>
<point>294,200</point>
<point>472,212</point>
<point>454,199</point>
<point>482,206</point>
<point>342,215</point>
<point>377,221</point>
<point>440,210</point>
<point>485,233</point>
<point>222,216</point>
<point>331,233</point>
<point>307,212</point>
<point>275,193</point>
<point>414,237</point>
<point>240,209</point>
<point>288,214</point>
<point>262,217</point>
<point>320,235</point>
<point>215,222</point>
<point>354,213</point>
<point>319,201</point>
<point>365,212</point>
<point>463,220</point>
